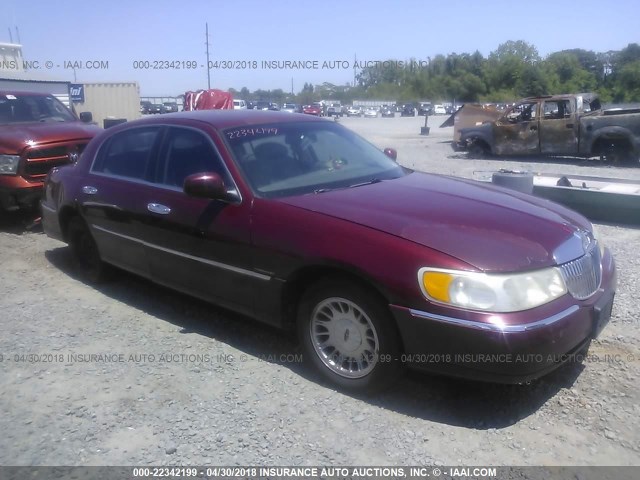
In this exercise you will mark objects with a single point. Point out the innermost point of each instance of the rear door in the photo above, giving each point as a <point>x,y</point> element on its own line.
<point>558,128</point>
<point>109,198</point>
<point>517,132</point>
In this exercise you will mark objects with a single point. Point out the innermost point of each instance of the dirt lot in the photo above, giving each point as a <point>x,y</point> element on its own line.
<point>176,381</point>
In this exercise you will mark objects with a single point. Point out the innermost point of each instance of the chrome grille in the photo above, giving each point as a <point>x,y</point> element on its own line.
<point>34,169</point>
<point>39,153</point>
<point>583,275</point>
<point>40,160</point>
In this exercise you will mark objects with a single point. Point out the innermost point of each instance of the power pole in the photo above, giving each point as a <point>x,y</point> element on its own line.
<point>208,69</point>
<point>355,62</point>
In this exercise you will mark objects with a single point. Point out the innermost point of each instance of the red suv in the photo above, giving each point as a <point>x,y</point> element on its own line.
<point>37,133</point>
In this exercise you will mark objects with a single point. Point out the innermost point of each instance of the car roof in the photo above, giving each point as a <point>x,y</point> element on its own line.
<point>221,119</point>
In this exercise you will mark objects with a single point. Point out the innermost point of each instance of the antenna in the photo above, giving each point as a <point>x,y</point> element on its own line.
<point>18,34</point>
<point>10,36</point>
<point>207,44</point>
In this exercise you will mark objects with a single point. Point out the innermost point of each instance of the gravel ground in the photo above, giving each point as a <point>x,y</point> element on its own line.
<point>174,381</point>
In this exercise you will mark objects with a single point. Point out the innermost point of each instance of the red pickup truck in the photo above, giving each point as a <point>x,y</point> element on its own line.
<point>37,133</point>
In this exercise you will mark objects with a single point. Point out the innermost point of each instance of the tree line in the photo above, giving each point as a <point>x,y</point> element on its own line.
<point>512,71</point>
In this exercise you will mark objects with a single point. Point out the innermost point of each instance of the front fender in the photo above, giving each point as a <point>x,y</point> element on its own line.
<point>483,133</point>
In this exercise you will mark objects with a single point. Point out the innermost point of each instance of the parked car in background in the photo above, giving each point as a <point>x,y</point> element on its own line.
<point>335,109</point>
<point>291,108</point>
<point>354,112</point>
<point>239,104</point>
<point>156,108</point>
<point>145,107</point>
<point>262,105</point>
<point>37,133</point>
<point>312,110</point>
<point>408,110</point>
<point>387,111</point>
<point>370,112</point>
<point>170,107</point>
<point>425,109</point>
<point>439,110</point>
<point>306,226</point>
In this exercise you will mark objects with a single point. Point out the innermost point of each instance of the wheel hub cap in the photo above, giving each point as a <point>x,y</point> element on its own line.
<point>344,338</point>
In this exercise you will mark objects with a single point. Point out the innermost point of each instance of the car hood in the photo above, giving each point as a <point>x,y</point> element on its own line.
<point>14,138</point>
<point>488,227</point>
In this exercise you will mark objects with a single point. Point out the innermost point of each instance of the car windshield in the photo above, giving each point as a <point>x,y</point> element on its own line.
<point>298,158</point>
<point>33,108</point>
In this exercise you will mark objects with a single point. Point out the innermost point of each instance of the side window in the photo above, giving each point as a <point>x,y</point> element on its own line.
<point>557,109</point>
<point>127,153</point>
<point>187,152</point>
<point>523,112</point>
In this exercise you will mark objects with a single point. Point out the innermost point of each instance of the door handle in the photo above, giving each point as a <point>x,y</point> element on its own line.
<point>89,190</point>
<point>158,208</point>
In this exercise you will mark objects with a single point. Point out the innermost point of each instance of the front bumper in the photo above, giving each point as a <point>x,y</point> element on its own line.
<point>508,352</point>
<point>20,194</point>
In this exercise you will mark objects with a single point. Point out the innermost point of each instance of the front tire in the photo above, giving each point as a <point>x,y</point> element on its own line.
<point>86,257</point>
<point>477,150</point>
<point>348,336</point>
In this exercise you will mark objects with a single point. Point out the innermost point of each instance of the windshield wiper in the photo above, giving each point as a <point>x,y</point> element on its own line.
<point>373,180</point>
<point>368,182</point>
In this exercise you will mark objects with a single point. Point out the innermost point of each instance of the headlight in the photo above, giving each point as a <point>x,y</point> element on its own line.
<point>492,292</point>
<point>9,164</point>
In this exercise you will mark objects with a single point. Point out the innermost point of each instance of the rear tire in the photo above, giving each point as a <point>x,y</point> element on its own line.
<point>348,336</point>
<point>86,257</point>
<point>618,153</point>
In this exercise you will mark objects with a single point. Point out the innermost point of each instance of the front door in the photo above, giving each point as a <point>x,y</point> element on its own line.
<point>197,245</point>
<point>516,133</point>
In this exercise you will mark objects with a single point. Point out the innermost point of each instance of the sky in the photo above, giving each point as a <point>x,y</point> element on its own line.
<point>243,34</point>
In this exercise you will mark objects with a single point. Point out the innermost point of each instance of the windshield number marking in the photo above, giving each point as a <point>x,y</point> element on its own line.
<point>250,132</point>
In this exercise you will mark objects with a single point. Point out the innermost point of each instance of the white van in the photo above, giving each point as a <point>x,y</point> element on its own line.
<point>239,105</point>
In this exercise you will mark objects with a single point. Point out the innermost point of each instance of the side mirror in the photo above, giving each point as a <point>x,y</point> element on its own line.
<point>205,185</point>
<point>391,153</point>
<point>86,117</point>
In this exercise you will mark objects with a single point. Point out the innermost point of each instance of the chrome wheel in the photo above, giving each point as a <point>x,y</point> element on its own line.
<point>344,337</point>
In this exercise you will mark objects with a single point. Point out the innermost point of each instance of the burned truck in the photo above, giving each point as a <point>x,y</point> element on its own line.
<point>557,125</point>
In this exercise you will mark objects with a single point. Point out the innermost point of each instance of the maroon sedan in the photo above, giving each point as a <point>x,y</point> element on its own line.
<point>300,223</point>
